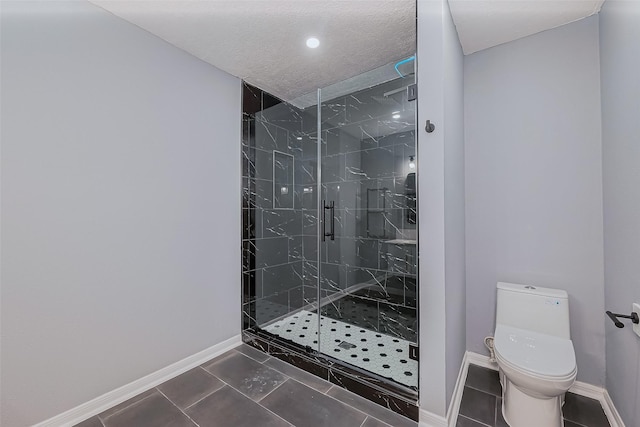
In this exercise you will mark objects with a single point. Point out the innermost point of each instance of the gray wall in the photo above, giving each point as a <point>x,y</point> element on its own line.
<point>120,195</point>
<point>533,157</point>
<point>441,189</point>
<point>620,68</point>
<point>454,194</point>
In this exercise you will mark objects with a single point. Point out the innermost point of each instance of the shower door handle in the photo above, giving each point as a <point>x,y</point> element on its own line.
<point>332,207</point>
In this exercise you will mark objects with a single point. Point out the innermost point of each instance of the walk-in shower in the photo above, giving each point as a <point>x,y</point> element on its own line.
<point>330,232</point>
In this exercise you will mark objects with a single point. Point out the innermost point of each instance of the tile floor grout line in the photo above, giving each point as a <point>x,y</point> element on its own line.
<point>473,419</point>
<point>359,410</point>
<point>329,389</point>
<point>222,357</point>
<point>345,404</point>
<point>267,359</point>
<point>126,407</point>
<point>483,391</point>
<point>257,403</point>
<point>316,377</point>
<point>276,387</point>
<point>208,394</point>
<point>270,411</point>
<point>253,358</point>
<point>577,423</point>
<point>208,373</point>
<point>332,386</point>
<point>178,408</point>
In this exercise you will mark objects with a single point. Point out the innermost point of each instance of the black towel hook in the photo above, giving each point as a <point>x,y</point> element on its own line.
<point>614,317</point>
<point>430,127</point>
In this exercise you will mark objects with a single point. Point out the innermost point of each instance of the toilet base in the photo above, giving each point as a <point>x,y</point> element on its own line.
<point>520,409</point>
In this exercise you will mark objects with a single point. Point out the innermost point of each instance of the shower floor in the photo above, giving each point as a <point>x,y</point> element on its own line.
<point>382,354</point>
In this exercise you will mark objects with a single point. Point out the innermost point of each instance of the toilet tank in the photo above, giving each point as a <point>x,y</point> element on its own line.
<point>533,308</point>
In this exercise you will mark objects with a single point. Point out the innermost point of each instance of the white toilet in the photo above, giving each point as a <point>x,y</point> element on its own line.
<point>534,353</point>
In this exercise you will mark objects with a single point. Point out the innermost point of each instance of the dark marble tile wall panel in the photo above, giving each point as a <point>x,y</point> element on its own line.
<point>249,285</point>
<point>273,245</point>
<point>347,194</point>
<point>333,277</point>
<point>310,273</point>
<point>280,278</point>
<point>309,222</point>
<point>306,173</point>
<point>251,99</point>
<point>341,140</point>
<point>371,104</point>
<point>270,251</point>
<point>369,311</point>
<point>280,222</point>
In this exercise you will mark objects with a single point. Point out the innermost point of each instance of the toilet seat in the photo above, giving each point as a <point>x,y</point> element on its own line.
<point>538,355</point>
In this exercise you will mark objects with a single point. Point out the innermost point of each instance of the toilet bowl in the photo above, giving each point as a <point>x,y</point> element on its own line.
<point>535,355</point>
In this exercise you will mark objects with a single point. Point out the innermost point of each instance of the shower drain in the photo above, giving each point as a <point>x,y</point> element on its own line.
<point>346,345</point>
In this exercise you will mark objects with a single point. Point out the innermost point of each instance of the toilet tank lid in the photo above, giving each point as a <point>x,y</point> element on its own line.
<point>535,290</point>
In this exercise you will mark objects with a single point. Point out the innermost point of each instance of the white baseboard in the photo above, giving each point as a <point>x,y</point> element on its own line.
<point>583,389</point>
<point>428,419</point>
<point>456,398</point>
<point>611,412</point>
<point>601,395</point>
<point>587,390</point>
<point>101,403</point>
<point>481,360</point>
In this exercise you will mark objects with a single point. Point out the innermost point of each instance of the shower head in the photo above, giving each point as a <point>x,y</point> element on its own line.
<point>404,61</point>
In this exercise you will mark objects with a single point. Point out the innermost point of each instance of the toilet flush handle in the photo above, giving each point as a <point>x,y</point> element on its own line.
<point>614,317</point>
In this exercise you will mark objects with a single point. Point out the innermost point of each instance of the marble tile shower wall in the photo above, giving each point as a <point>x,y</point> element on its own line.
<point>365,157</point>
<point>272,224</point>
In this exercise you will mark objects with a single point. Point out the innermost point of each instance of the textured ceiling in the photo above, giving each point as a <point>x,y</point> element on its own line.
<point>486,23</point>
<point>263,41</point>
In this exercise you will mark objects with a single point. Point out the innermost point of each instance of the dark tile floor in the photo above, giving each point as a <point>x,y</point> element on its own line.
<point>247,388</point>
<point>482,402</point>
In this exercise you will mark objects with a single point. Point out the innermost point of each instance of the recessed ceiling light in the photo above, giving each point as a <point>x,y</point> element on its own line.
<point>299,138</point>
<point>313,42</point>
<point>396,116</point>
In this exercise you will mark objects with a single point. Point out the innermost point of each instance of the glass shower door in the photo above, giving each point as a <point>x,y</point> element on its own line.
<point>330,234</point>
<point>368,253</point>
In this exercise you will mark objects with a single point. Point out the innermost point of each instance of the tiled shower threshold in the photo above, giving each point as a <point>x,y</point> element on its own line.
<point>377,389</point>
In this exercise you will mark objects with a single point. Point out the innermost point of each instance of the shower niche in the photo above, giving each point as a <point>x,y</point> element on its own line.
<point>330,234</point>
